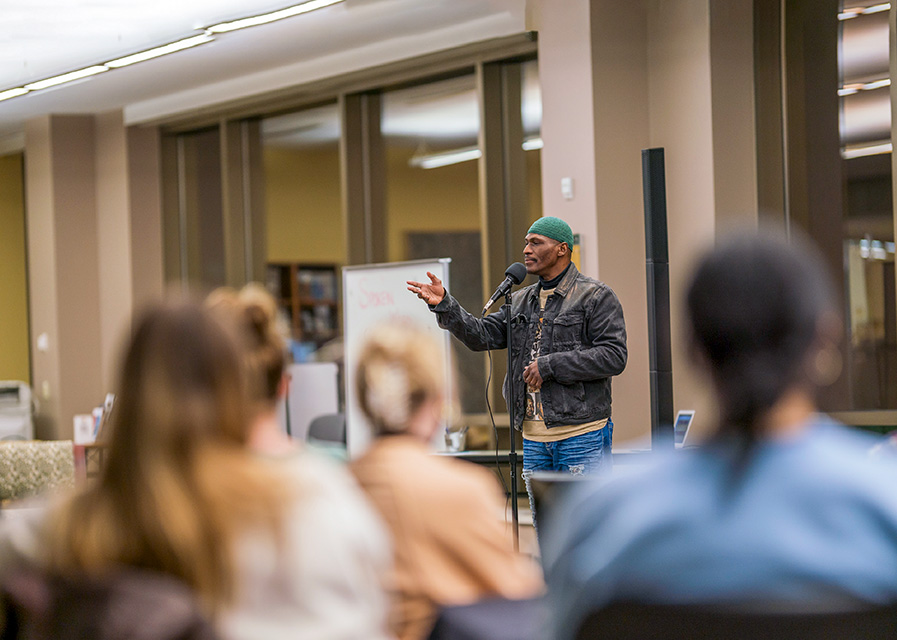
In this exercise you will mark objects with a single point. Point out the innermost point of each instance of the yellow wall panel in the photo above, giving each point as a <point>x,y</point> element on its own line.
<point>14,356</point>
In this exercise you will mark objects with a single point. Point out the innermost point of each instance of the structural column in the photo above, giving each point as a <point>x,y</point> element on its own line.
<point>94,250</point>
<point>594,76</point>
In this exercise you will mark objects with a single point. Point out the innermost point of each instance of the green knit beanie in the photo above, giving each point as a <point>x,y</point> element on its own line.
<point>553,228</point>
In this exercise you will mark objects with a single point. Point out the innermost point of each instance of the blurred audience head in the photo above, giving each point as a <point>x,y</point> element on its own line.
<point>763,322</point>
<point>178,483</point>
<point>264,337</point>
<point>181,385</point>
<point>401,381</point>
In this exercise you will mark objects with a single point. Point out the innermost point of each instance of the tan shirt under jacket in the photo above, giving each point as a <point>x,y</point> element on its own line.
<point>452,545</point>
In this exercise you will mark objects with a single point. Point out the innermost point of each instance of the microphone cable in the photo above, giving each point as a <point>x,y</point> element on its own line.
<point>511,433</point>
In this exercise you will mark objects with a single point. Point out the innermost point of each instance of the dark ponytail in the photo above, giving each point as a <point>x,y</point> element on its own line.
<point>754,309</point>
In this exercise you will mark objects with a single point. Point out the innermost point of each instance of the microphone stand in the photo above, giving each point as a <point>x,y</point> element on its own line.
<point>512,448</point>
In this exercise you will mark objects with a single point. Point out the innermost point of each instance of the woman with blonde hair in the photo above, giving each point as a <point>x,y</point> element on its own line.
<point>181,494</point>
<point>264,340</point>
<point>446,516</point>
<point>331,585</point>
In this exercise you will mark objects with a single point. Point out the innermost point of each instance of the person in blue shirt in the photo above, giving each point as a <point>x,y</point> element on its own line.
<point>783,508</point>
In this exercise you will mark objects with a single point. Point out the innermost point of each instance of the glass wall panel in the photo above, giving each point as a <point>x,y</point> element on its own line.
<point>304,222</point>
<point>200,208</point>
<point>865,132</point>
<point>432,199</point>
<point>532,137</point>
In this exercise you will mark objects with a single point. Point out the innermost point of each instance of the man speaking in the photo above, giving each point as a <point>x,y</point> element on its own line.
<point>568,339</point>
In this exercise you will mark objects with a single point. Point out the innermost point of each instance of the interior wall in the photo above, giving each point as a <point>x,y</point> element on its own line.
<point>302,200</point>
<point>568,117</point>
<point>14,356</point>
<point>680,104</point>
<point>442,199</point>
<point>113,237</point>
<point>619,55</point>
<point>86,240</point>
<point>63,268</point>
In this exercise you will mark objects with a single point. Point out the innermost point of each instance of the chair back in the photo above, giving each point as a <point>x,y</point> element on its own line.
<point>127,605</point>
<point>491,619</point>
<point>330,427</point>
<point>631,621</point>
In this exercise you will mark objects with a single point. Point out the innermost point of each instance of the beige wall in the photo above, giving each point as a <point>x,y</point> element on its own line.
<point>304,212</point>
<point>680,114</point>
<point>114,247</point>
<point>568,121</point>
<point>94,248</point>
<point>621,125</point>
<point>593,71</point>
<point>63,269</point>
<point>14,356</point>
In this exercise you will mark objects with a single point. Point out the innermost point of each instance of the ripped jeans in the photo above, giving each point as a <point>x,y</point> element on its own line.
<point>579,455</point>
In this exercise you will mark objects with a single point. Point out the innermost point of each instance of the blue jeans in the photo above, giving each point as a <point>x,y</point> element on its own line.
<point>579,455</point>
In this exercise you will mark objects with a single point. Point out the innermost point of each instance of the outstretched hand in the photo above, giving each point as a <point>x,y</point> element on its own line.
<point>431,293</point>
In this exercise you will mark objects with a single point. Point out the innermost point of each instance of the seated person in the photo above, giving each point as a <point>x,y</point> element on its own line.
<point>330,584</point>
<point>782,509</point>
<point>273,550</point>
<point>451,546</point>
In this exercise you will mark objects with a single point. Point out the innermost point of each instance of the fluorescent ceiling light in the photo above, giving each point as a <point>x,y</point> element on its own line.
<point>265,18</point>
<point>445,158</point>
<point>853,12</point>
<point>464,154</point>
<point>877,8</point>
<point>878,84</point>
<point>149,54</point>
<point>12,93</point>
<point>66,77</point>
<point>850,89</point>
<point>531,144</point>
<point>171,47</point>
<point>868,150</point>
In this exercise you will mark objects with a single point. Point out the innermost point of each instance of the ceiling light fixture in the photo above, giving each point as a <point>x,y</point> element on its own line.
<point>207,35</point>
<point>149,54</point>
<point>12,93</point>
<point>878,84</point>
<point>867,150</point>
<point>265,18</point>
<point>445,158</point>
<point>531,144</point>
<point>850,89</point>
<point>66,77</point>
<point>854,12</point>
<point>464,154</point>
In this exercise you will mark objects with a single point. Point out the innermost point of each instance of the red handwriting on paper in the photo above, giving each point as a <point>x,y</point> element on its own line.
<point>374,298</point>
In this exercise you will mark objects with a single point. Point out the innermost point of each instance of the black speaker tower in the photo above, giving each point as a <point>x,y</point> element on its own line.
<point>658,278</point>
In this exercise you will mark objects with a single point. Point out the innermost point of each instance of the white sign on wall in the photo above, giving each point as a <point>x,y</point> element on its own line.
<point>374,295</point>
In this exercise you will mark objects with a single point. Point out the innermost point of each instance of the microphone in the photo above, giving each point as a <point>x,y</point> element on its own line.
<point>514,275</point>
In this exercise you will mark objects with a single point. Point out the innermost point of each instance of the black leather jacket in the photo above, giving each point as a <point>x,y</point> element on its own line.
<point>583,345</point>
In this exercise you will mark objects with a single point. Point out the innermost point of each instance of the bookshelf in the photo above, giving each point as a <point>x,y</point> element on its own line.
<point>309,297</point>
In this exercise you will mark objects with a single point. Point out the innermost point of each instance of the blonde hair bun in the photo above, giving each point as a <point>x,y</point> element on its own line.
<point>400,368</point>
